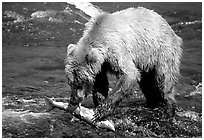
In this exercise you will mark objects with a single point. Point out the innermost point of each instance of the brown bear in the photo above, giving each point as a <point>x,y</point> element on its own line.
<point>135,44</point>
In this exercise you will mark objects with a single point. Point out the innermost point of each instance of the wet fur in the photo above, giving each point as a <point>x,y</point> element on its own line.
<point>137,44</point>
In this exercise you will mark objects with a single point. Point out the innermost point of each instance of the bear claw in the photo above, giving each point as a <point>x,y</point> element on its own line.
<point>102,112</point>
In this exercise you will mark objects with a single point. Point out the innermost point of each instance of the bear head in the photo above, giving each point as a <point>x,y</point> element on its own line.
<point>81,66</point>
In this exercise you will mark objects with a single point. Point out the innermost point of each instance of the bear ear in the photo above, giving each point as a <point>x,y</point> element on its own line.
<point>70,48</point>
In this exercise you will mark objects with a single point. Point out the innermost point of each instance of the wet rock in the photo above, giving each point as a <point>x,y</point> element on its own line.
<point>13,16</point>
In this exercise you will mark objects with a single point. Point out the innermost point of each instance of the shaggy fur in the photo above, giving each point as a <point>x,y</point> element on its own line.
<point>138,45</point>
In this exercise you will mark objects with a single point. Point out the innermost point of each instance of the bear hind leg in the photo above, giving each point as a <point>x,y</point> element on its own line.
<point>169,92</point>
<point>151,88</point>
<point>158,89</point>
<point>169,73</point>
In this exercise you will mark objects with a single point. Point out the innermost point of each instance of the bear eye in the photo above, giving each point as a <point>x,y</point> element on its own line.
<point>79,86</point>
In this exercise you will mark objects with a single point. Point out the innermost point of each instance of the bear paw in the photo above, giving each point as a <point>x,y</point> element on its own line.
<point>102,112</point>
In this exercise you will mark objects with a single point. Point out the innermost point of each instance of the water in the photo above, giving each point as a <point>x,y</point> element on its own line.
<point>34,41</point>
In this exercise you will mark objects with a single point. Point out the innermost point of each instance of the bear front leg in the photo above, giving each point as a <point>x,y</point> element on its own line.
<point>123,87</point>
<point>108,106</point>
<point>100,86</point>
